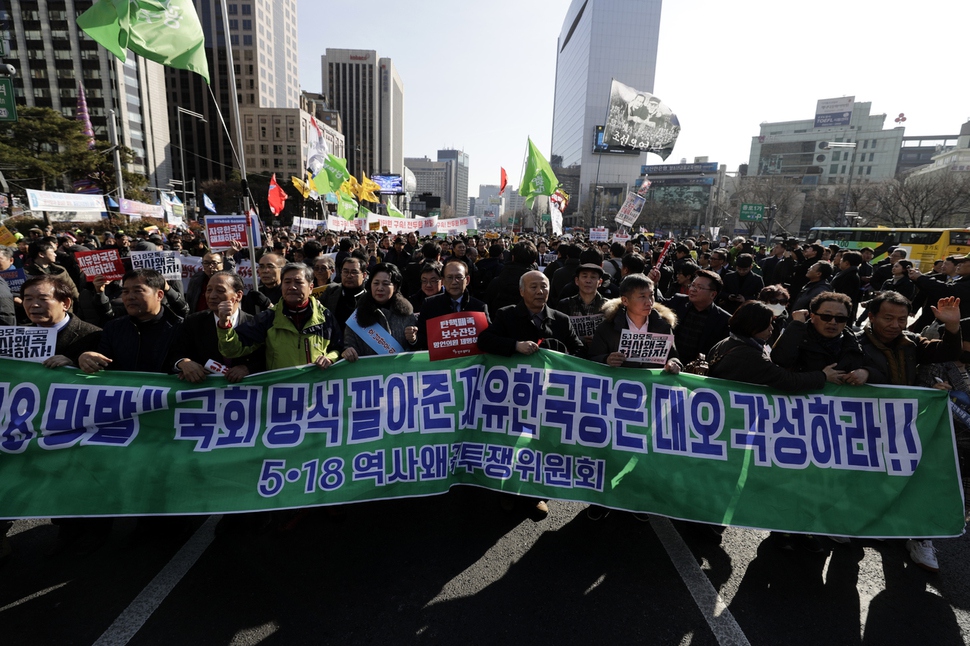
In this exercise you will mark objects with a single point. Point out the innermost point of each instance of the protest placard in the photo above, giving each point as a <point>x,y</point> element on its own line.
<point>103,262</point>
<point>645,347</point>
<point>27,343</point>
<point>455,335</point>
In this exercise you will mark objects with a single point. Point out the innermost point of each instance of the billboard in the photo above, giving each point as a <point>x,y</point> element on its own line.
<point>599,146</point>
<point>678,169</point>
<point>390,184</point>
<point>833,113</point>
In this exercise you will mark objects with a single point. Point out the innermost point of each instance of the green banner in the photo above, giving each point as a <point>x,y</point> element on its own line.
<point>855,461</point>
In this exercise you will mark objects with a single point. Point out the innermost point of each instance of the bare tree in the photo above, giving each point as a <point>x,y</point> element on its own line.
<point>781,191</point>
<point>932,200</point>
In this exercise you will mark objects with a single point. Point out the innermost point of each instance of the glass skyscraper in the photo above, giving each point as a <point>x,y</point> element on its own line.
<point>600,40</point>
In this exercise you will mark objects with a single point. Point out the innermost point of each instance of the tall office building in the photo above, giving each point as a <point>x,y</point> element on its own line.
<point>264,52</point>
<point>369,94</point>
<point>601,40</point>
<point>461,179</point>
<point>52,56</point>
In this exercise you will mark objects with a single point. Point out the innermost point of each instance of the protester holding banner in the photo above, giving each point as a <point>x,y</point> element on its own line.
<point>8,312</point>
<point>47,301</point>
<point>818,337</point>
<point>139,341</point>
<point>634,312</point>
<point>196,347</point>
<point>342,298</point>
<point>384,321</point>
<point>456,298</point>
<point>745,356</point>
<point>431,284</point>
<point>299,331</point>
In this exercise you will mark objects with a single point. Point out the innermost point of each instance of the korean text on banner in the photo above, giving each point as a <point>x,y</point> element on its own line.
<point>850,460</point>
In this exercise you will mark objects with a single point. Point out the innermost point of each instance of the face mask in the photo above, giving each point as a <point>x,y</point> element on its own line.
<point>778,309</point>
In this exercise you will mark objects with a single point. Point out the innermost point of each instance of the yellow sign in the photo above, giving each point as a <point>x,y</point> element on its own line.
<point>6,238</point>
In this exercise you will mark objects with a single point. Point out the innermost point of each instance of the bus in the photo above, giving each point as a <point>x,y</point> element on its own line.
<point>923,246</point>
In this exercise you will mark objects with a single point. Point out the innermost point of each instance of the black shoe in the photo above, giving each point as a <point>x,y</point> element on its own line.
<point>595,512</point>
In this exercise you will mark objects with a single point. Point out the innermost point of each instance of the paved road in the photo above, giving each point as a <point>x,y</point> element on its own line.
<point>455,569</point>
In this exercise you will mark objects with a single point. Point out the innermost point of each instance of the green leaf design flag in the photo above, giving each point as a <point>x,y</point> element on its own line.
<point>336,169</point>
<point>164,31</point>
<point>538,178</point>
<point>393,211</point>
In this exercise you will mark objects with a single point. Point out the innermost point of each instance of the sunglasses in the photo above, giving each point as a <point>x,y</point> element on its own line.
<point>829,317</point>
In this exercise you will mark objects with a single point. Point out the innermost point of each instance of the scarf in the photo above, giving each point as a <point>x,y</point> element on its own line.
<point>895,357</point>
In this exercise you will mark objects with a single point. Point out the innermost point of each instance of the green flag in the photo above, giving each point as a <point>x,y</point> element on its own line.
<point>164,31</point>
<point>393,211</point>
<point>538,178</point>
<point>346,206</point>
<point>337,172</point>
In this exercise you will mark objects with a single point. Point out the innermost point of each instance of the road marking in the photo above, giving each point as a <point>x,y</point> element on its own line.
<point>39,593</point>
<point>708,600</point>
<point>130,621</point>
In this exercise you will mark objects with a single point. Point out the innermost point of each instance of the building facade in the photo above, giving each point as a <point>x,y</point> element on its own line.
<point>276,140</point>
<point>369,95</point>
<point>601,40</point>
<point>460,168</point>
<point>53,56</point>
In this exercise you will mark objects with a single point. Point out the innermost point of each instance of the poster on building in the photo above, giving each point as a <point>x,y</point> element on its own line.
<point>455,335</point>
<point>834,113</point>
<point>67,207</point>
<point>167,263</point>
<point>641,121</point>
<point>103,262</point>
<point>221,230</point>
<point>27,343</point>
<point>645,347</point>
<point>630,210</point>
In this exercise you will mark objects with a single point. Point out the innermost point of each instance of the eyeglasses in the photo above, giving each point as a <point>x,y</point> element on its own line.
<point>322,268</point>
<point>696,286</point>
<point>828,318</point>
<point>455,278</point>
<point>344,272</point>
<point>211,263</point>
<point>430,281</point>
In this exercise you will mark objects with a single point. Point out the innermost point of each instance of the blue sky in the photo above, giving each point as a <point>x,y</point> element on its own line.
<point>480,76</point>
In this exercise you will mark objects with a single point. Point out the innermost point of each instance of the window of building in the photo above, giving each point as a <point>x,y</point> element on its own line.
<point>264,163</point>
<point>247,10</point>
<point>262,132</point>
<point>277,149</point>
<point>291,135</point>
<point>869,170</point>
<point>872,156</point>
<point>233,23</point>
<point>247,25</point>
<point>291,150</point>
<point>843,169</point>
<point>234,39</point>
<point>835,155</point>
<point>249,131</point>
<point>247,40</point>
<point>277,163</point>
<point>865,143</point>
<point>233,9</point>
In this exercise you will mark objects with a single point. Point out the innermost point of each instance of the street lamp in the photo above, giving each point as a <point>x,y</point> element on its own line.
<point>181,111</point>
<point>829,145</point>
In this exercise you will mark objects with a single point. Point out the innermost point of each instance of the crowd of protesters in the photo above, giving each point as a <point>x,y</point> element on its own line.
<point>793,316</point>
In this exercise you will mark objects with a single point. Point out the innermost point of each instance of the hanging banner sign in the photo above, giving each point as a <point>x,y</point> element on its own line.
<point>66,202</point>
<point>221,230</point>
<point>455,226</point>
<point>34,344</point>
<point>305,225</point>
<point>103,262</point>
<point>131,207</point>
<point>850,460</point>
<point>455,335</point>
<point>403,226</point>
<point>167,263</point>
<point>336,223</point>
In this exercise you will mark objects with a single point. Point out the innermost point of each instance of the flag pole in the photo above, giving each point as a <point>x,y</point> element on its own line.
<point>234,113</point>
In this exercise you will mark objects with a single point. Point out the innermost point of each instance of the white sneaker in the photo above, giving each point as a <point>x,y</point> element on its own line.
<point>923,554</point>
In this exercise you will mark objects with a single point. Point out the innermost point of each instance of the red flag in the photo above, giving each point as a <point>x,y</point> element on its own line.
<point>277,196</point>
<point>505,181</point>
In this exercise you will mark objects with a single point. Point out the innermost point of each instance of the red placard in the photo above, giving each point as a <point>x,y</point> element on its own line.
<point>104,262</point>
<point>455,335</point>
<point>221,230</point>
